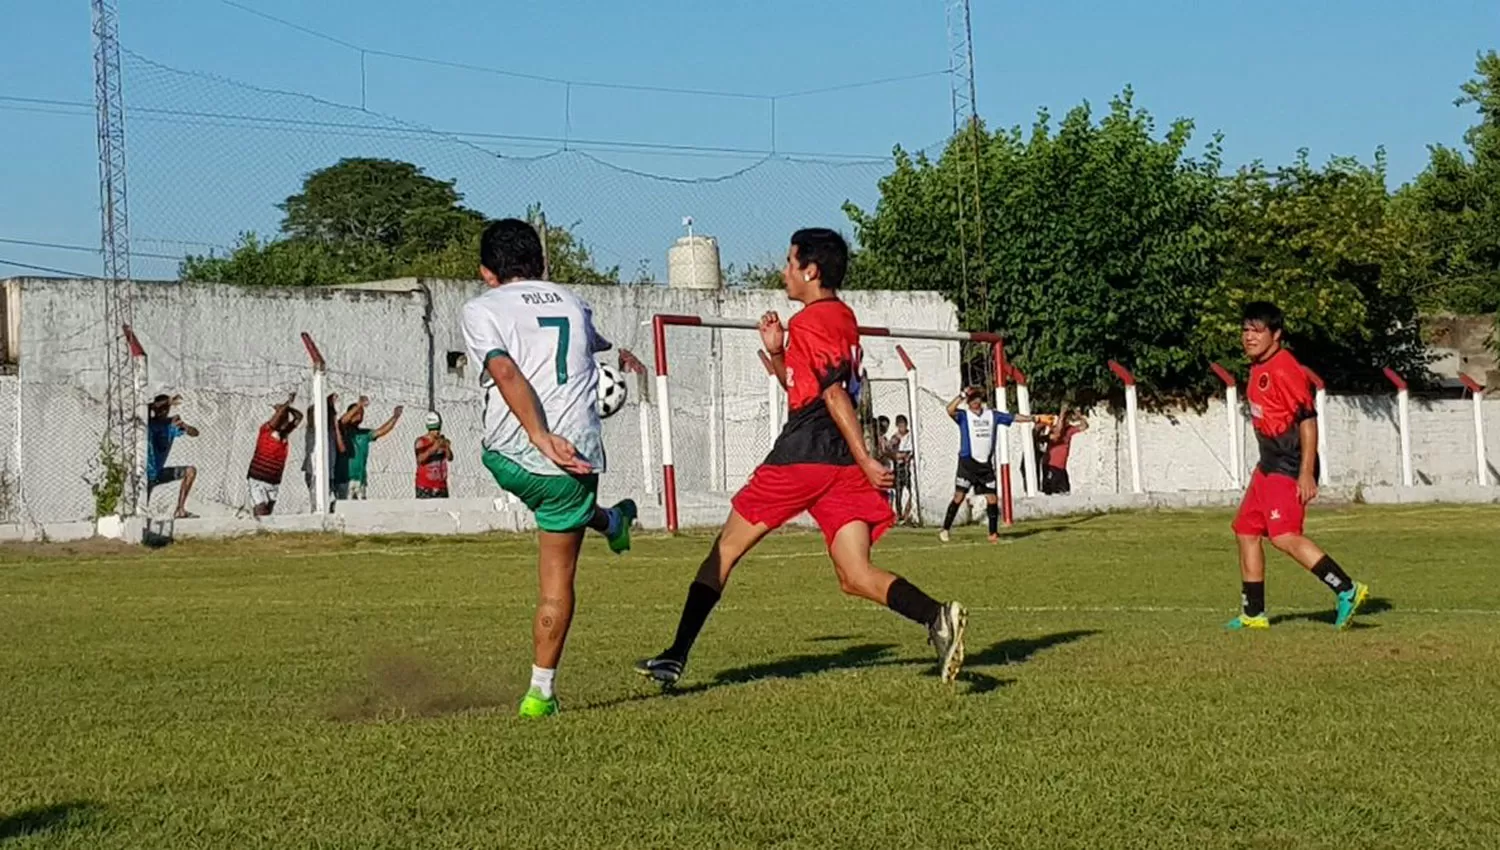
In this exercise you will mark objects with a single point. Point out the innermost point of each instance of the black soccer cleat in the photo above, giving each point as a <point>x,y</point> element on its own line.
<point>663,669</point>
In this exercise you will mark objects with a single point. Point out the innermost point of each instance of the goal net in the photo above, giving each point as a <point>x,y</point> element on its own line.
<point>719,409</point>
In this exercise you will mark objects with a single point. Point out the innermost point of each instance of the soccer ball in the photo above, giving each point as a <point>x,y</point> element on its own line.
<point>611,391</point>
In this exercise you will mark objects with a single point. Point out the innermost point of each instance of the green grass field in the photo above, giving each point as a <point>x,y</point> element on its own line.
<point>287,692</point>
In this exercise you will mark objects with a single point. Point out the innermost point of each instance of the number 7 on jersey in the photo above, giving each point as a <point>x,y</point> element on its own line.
<point>564,336</point>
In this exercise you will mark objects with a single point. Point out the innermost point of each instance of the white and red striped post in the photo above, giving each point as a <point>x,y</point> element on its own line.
<point>1131,403</point>
<point>1320,404</point>
<point>1403,422</point>
<point>1029,474</point>
<point>773,398</point>
<point>643,412</point>
<point>138,488</point>
<point>1232,419</point>
<point>320,425</point>
<point>1002,440</point>
<point>912,391</point>
<point>664,411</point>
<point>1481,464</point>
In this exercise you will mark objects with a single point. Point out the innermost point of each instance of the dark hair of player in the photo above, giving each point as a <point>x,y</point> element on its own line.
<point>511,250</point>
<point>901,420</point>
<point>826,248</point>
<point>1264,313</point>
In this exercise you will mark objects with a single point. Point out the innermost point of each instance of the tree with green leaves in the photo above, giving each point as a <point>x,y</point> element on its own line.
<point>1101,241</point>
<point>1455,204</point>
<point>372,219</point>
<point>1324,245</point>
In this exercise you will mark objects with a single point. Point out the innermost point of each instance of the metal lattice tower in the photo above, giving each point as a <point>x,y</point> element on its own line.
<point>123,427</point>
<point>966,117</point>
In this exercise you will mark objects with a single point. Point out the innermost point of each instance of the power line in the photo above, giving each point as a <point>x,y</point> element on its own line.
<point>189,117</point>
<point>48,269</point>
<point>58,246</point>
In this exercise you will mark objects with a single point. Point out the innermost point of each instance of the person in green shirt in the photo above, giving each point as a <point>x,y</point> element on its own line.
<point>350,467</point>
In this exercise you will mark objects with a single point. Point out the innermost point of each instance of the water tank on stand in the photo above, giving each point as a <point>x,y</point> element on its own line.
<point>693,263</point>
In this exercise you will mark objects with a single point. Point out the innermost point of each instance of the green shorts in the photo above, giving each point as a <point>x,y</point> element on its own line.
<point>561,503</point>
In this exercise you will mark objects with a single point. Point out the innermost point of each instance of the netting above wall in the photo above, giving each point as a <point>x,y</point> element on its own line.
<point>212,158</point>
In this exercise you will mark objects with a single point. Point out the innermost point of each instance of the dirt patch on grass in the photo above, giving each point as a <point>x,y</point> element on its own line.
<point>96,547</point>
<point>400,685</point>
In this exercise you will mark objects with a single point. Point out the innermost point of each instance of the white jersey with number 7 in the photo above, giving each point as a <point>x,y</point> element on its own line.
<point>549,333</point>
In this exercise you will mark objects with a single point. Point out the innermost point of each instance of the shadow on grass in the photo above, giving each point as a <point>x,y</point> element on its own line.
<point>1374,605</point>
<point>1020,650</point>
<point>1046,527</point>
<point>873,655</point>
<point>39,819</point>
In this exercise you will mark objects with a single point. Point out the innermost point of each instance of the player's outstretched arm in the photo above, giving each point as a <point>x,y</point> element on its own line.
<point>390,424</point>
<point>523,402</point>
<point>956,403</point>
<point>841,408</point>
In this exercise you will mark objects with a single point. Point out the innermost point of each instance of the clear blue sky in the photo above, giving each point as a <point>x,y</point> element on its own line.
<point>1336,77</point>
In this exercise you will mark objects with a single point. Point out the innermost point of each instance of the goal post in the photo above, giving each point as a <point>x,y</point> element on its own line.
<point>662,321</point>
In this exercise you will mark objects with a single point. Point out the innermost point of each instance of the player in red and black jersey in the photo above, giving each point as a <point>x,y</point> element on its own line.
<point>1286,478</point>
<point>819,464</point>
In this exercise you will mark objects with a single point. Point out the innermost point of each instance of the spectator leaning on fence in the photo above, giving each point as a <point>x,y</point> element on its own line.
<point>1060,434</point>
<point>349,471</point>
<point>272,443</point>
<point>434,452</point>
<point>162,430</point>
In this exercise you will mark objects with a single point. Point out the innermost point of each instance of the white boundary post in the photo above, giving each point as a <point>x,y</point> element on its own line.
<point>1320,403</point>
<point>138,364</point>
<point>1027,434</point>
<point>1130,425</point>
<point>643,408</point>
<point>1002,441</point>
<point>321,425</point>
<point>1232,420</point>
<point>661,321</point>
<point>913,391</point>
<point>1481,463</point>
<point>1403,423</point>
<point>715,414</point>
<point>773,399</point>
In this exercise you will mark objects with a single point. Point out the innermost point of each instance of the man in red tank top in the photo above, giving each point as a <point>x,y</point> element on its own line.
<point>819,464</point>
<point>269,460</point>
<point>433,455</point>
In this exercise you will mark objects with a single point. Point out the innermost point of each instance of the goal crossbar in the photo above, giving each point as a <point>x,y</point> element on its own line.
<point>661,321</point>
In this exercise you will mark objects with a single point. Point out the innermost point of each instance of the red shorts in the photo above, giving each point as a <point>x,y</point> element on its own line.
<point>834,495</point>
<point>1271,507</point>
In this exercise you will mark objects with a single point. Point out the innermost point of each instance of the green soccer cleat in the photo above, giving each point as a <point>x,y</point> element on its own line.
<point>1243,622</point>
<point>536,705</point>
<point>623,516</point>
<point>1349,602</point>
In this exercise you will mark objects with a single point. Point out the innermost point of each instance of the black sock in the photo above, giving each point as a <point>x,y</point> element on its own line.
<point>905,599</point>
<point>1332,575</point>
<point>993,512</point>
<point>951,516</point>
<point>701,599</point>
<point>1253,598</point>
<point>600,521</point>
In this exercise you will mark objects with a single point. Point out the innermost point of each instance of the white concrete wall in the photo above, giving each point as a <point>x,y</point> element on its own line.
<point>233,353</point>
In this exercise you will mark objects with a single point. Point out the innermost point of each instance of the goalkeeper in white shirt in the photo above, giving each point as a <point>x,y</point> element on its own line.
<point>535,343</point>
